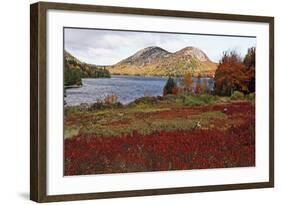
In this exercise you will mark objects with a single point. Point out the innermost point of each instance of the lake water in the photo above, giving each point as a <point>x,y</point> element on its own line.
<point>127,88</point>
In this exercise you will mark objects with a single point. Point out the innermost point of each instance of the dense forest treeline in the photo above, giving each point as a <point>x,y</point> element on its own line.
<point>74,70</point>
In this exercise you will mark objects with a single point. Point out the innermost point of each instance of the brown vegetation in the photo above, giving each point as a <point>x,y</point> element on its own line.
<point>235,74</point>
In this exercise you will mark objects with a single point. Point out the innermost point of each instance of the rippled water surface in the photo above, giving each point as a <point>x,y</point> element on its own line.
<point>127,88</point>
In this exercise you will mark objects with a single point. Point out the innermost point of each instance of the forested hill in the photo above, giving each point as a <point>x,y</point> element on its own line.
<point>75,69</point>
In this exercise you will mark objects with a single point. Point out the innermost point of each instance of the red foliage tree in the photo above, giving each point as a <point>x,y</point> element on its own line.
<point>231,75</point>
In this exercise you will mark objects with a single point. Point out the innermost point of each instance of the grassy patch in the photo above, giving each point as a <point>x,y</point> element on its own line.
<point>197,100</point>
<point>146,109</point>
<point>126,124</point>
<point>71,131</point>
<point>149,115</point>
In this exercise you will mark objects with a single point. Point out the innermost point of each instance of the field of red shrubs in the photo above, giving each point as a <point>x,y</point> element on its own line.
<point>229,143</point>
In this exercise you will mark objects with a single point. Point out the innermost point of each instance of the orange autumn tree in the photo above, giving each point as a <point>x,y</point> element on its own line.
<point>187,83</point>
<point>201,86</point>
<point>231,75</point>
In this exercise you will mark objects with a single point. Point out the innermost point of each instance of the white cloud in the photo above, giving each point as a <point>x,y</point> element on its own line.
<point>100,52</point>
<point>105,47</point>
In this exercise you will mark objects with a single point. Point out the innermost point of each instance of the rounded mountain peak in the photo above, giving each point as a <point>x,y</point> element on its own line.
<point>151,50</point>
<point>146,55</point>
<point>194,53</point>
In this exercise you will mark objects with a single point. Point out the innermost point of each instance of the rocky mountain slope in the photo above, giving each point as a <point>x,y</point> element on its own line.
<point>145,56</point>
<point>156,61</point>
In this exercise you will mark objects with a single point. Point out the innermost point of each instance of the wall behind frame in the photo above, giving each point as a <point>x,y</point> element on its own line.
<point>14,103</point>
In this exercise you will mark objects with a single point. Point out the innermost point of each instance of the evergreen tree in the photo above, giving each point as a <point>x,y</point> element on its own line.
<point>250,63</point>
<point>170,87</point>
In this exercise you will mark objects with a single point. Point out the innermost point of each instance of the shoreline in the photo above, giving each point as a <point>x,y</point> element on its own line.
<point>162,76</point>
<point>72,86</point>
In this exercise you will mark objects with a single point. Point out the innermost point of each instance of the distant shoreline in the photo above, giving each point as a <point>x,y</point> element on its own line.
<point>162,76</point>
<point>72,86</point>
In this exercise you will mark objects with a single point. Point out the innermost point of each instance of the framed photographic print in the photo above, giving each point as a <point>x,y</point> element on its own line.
<point>133,102</point>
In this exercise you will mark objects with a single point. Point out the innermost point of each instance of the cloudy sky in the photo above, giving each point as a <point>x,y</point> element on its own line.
<point>106,47</point>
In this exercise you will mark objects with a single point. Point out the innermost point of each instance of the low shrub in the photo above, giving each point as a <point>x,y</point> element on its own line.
<point>251,96</point>
<point>170,98</point>
<point>109,101</point>
<point>102,106</point>
<point>145,100</point>
<point>209,99</point>
<point>196,100</point>
<point>237,95</point>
